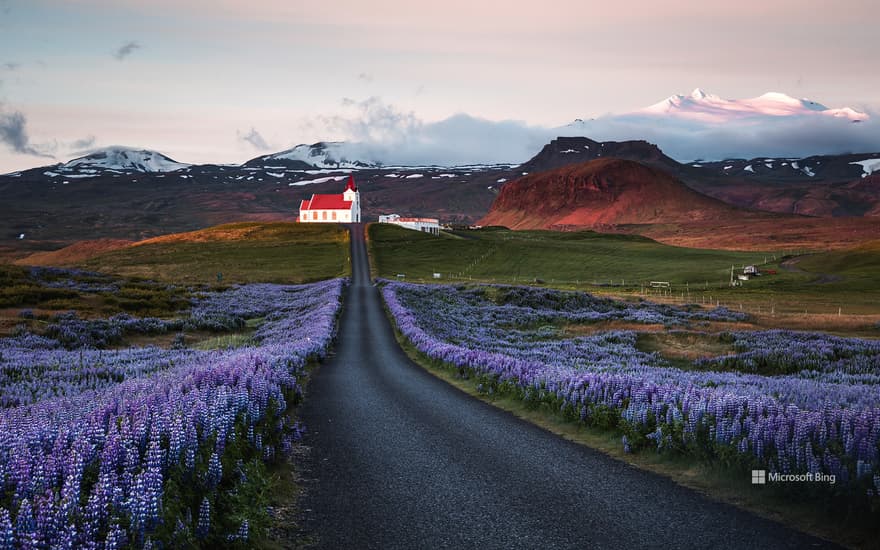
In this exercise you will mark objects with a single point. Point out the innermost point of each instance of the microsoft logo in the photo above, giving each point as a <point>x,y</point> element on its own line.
<point>759,477</point>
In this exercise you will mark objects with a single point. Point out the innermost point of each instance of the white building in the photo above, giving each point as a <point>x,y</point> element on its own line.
<point>342,208</point>
<point>425,225</point>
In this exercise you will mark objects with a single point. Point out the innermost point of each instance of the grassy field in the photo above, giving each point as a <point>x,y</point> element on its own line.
<point>553,257</point>
<point>242,253</point>
<point>138,276</point>
<point>830,285</point>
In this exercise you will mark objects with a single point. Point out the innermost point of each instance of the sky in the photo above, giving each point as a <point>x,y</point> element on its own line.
<point>224,81</point>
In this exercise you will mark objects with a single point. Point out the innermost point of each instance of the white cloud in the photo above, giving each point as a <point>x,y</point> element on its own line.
<point>400,137</point>
<point>796,136</point>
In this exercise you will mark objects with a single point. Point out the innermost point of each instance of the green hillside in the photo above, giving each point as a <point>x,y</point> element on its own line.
<point>823,283</point>
<point>549,256</point>
<point>242,253</point>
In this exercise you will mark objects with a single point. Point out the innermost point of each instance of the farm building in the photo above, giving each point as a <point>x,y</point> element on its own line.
<point>425,225</point>
<point>342,208</point>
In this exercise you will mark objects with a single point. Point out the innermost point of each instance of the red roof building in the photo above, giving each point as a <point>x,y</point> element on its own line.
<point>342,208</point>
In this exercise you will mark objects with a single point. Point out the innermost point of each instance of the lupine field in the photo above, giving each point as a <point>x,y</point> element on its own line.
<point>790,402</point>
<point>108,446</point>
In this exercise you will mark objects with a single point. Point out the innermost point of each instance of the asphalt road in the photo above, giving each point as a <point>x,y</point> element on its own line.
<point>400,459</point>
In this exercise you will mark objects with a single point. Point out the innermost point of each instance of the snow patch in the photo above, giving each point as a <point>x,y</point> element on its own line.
<point>869,166</point>
<point>335,154</point>
<point>318,180</point>
<point>123,159</point>
<point>705,107</point>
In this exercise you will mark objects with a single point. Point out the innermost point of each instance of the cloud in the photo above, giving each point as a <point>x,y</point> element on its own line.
<point>82,144</point>
<point>366,77</point>
<point>771,136</point>
<point>373,120</point>
<point>255,139</point>
<point>382,131</point>
<point>126,50</point>
<point>13,132</point>
<point>11,66</point>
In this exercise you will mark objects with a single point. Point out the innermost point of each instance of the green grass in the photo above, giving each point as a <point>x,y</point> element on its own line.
<point>242,253</point>
<point>18,291</point>
<point>563,258</point>
<point>225,341</point>
<point>626,264</point>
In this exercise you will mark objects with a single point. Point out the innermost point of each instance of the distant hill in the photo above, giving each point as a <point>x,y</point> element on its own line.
<point>133,194</point>
<point>564,151</point>
<point>601,192</point>
<point>826,185</point>
<point>628,197</point>
<point>110,160</point>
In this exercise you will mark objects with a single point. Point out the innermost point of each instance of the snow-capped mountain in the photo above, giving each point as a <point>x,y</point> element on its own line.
<point>701,125</point>
<point>825,167</point>
<point>333,154</point>
<point>116,159</point>
<point>706,107</point>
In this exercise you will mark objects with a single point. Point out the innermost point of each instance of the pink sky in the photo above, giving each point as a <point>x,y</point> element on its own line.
<point>202,73</point>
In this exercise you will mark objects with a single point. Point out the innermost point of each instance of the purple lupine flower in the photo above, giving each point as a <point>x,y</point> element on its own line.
<point>204,522</point>
<point>63,412</point>
<point>215,472</point>
<point>7,535</point>
<point>817,411</point>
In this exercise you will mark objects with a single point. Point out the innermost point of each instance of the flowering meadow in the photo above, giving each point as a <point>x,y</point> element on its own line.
<point>109,448</point>
<point>786,401</point>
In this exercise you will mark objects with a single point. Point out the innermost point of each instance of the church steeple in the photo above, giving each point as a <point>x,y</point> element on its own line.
<point>352,195</point>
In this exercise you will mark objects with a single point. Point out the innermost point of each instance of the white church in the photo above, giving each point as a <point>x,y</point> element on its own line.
<point>342,208</point>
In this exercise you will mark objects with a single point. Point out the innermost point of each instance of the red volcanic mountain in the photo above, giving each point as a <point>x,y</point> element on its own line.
<point>617,195</point>
<point>602,192</point>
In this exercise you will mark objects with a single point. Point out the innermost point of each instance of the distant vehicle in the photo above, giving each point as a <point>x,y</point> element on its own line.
<point>751,270</point>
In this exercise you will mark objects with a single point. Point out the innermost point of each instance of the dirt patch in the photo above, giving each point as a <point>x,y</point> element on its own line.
<point>605,326</point>
<point>75,253</point>
<point>791,265</point>
<point>862,326</point>
<point>684,346</point>
<point>825,278</point>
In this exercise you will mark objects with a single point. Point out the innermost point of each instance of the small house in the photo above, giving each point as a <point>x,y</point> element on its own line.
<point>425,225</point>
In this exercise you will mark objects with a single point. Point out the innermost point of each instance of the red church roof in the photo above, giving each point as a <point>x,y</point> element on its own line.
<point>326,202</point>
<point>330,202</point>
